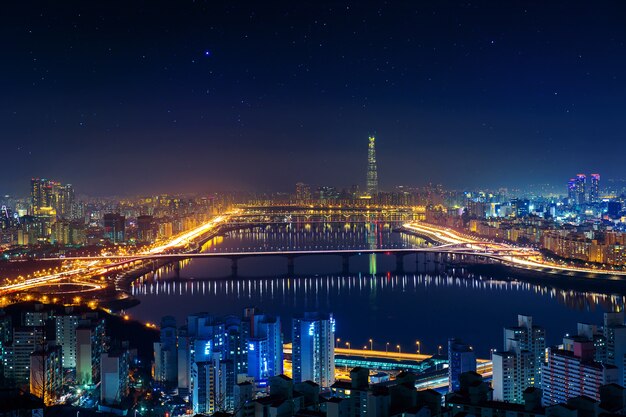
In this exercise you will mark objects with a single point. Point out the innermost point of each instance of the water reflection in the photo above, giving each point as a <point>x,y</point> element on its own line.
<point>432,300</point>
<point>321,289</point>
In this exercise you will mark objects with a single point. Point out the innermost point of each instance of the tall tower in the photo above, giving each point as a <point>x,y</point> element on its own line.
<point>372,174</point>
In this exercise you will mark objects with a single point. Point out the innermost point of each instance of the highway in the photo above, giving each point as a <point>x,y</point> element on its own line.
<point>80,270</point>
<point>519,257</point>
<point>84,268</point>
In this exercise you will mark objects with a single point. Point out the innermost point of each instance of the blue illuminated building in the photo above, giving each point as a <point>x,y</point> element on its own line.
<point>461,359</point>
<point>313,349</point>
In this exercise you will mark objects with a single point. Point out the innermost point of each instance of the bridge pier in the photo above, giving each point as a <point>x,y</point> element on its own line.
<point>290,267</point>
<point>345,264</point>
<point>234,267</point>
<point>399,263</point>
<point>177,269</point>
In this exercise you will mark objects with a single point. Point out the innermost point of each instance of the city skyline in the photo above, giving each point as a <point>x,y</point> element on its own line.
<point>217,96</point>
<point>313,209</point>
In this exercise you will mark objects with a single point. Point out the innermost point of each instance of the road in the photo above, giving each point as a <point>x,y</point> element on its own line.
<point>521,257</point>
<point>82,269</point>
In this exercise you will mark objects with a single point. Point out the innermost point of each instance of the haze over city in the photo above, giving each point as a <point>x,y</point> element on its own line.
<point>201,96</point>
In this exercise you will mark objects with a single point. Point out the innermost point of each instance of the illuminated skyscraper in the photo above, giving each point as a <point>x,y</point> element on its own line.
<point>594,188</point>
<point>571,191</point>
<point>372,173</point>
<point>64,201</point>
<point>581,184</point>
<point>40,193</point>
<point>303,192</point>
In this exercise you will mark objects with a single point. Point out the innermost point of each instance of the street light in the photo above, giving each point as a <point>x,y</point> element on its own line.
<point>399,348</point>
<point>417,343</point>
<point>348,344</point>
<point>439,350</point>
<point>338,341</point>
<point>371,344</point>
<point>387,347</point>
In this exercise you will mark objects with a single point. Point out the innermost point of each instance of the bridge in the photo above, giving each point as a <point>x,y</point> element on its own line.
<point>481,249</point>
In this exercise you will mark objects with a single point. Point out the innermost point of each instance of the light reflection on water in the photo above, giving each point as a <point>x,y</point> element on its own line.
<point>428,303</point>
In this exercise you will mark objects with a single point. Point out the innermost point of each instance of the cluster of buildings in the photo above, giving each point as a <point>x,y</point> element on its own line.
<point>219,362</point>
<point>580,366</point>
<point>583,376</point>
<point>54,351</point>
<point>53,215</point>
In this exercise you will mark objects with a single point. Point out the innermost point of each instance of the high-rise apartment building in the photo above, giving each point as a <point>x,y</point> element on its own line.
<point>46,374</point>
<point>265,347</point>
<point>615,333</point>
<point>90,344</point>
<point>303,192</point>
<point>572,197</point>
<point>594,188</point>
<point>165,352</point>
<point>213,389</point>
<point>519,366</point>
<point>16,360</point>
<point>313,349</point>
<point>40,193</point>
<point>581,188</point>
<point>573,372</point>
<point>114,367</point>
<point>65,332</point>
<point>461,358</point>
<point>372,172</point>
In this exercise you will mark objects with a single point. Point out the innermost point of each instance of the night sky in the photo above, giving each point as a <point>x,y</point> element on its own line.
<point>122,97</point>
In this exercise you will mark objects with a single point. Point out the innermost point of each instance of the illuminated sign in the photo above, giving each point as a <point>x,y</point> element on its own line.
<point>311,329</point>
<point>207,348</point>
<point>251,346</point>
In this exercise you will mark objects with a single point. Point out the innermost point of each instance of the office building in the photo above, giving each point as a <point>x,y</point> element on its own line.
<point>313,349</point>
<point>461,359</point>
<point>146,229</point>
<point>114,227</point>
<point>372,172</point>
<point>613,209</point>
<point>571,373</point>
